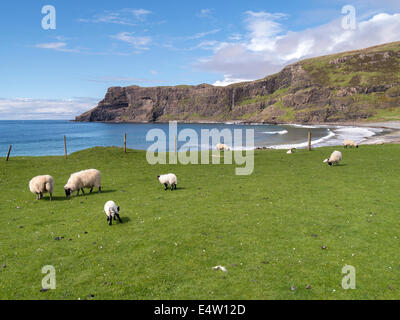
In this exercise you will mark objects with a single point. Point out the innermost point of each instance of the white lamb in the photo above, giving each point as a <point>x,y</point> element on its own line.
<point>42,184</point>
<point>83,179</point>
<point>112,211</point>
<point>335,158</point>
<point>290,151</point>
<point>222,147</point>
<point>168,179</point>
<point>350,143</point>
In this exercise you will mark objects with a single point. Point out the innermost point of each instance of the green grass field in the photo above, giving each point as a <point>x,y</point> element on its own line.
<point>267,229</point>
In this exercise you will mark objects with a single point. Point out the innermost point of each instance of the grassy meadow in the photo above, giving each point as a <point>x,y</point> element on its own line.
<point>295,222</point>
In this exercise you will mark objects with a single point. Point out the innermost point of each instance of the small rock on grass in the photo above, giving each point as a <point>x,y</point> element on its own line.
<point>4,266</point>
<point>323,247</point>
<point>44,290</point>
<point>308,286</point>
<point>292,288</point>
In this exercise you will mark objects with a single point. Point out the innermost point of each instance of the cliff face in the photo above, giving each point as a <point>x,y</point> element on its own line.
<point>348,86</point>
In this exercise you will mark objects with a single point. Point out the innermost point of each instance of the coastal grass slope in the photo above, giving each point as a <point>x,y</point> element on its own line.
<point>268,229</point>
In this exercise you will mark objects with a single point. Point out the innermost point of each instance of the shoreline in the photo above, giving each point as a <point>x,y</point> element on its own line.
<point>393,136</point>
<point>388,133</point>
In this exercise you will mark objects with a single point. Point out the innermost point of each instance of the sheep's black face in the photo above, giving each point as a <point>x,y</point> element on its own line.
<point>158,177</point>
<point>330,163</point>
<point>118,209</point>
<point>67,192</point>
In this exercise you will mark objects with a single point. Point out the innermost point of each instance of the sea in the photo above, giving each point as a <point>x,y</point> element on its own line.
<point>46,137</point>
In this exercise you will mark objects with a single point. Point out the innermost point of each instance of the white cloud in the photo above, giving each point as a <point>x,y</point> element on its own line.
<point>44,109</point>
<point>124,80</point>
<point>126,17</point>
<point>141,13</point>
<point>267,47</point>
<point>205,13</point>
<point>57,46</point>
<point>201,34</point>
<point>138,42</point>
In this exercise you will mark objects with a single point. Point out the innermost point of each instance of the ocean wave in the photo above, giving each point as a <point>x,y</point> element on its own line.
<point>304,126</point>
<point>356,133</point>
<point>301,145</point>
<point>282,132</point>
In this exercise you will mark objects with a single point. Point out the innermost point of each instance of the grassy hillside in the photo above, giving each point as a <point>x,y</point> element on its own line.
<point>267,229</point>
<point>356,85</point>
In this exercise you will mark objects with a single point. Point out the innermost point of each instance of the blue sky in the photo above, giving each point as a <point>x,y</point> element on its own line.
<point>57,74</point>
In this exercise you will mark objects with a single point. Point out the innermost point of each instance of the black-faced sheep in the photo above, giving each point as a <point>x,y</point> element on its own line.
<point>168,179</point>
<point>350,143</point>
<point>90,178</point>
<point>42,184</point>
<point>222,147</point>
<point>335,158</point>
<point>112,212</point>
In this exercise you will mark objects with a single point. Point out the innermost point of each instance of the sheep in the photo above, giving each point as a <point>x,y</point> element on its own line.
<point>42,184</point>
<point>290,151</point>
<point>350,143</point>
<point>166,179</point>
<point>335,158</point>
<point>221,146</point>
<point>112,211</point>
<point>83,179</point>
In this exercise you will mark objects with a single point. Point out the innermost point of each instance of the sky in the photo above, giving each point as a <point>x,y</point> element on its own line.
<point>60,72</point>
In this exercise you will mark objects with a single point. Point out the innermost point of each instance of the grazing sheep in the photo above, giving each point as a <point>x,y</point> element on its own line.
<point>350,143</point>
<point>222,147</point>
<point>83,179</point>
<point>40,185</point>
<point>335,158</point>
<point>112,211</point>
<point>291,151</point>
<point>166,179</point>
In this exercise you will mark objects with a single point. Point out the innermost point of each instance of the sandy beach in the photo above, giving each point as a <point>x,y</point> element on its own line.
<point>392,137</point>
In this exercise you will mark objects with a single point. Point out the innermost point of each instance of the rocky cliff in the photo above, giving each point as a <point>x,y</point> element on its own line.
<point>363,84</point>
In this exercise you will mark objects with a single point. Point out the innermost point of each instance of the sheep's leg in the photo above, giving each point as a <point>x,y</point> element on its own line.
<point>77,193</point>
<point>172,187</point>
<point>51,195</point>
<point>41,196</point>
<point>110,222</point>
<point>119,218</point>
<point>165,186</point>
<point>37,196</point>
<point>83,191</point>
<point>99,189</point>
<point>115,218</point>
<point>91,189</point>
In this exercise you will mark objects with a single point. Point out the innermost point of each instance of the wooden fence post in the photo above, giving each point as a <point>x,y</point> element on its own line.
<point>309,140</point>
<point>65,147</point>
<point>9,151</point>
<point>125,142</point>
